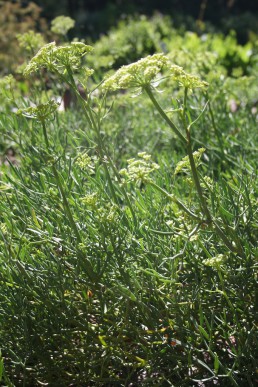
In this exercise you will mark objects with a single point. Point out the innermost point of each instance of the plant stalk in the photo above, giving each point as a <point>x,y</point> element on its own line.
<point>148,90</point>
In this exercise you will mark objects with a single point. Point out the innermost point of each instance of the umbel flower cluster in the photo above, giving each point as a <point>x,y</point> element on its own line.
<point>141,74</point>
<point>137,74</point>
<point>138,170</point>
<point>40,112</point>
<point>85,162</point>
<point>58,58</point>
<point>216,262</point>
<point>184,164</point>
<point>145,71</point>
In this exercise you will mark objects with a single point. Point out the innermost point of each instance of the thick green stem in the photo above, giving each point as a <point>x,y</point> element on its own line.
<point>61,189</point>
<point>45,134</point>
<point>196,179</point>
<point>163,114</point>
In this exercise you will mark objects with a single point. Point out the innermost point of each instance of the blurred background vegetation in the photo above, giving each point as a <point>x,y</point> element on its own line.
<point>95,18</point>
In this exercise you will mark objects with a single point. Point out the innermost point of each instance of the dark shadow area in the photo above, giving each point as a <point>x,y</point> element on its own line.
<point>94,17</point>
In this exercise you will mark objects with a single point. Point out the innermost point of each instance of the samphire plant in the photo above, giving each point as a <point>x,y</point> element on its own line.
<point>63,61</point>
<point>121,276</point>
<point>143,75</point>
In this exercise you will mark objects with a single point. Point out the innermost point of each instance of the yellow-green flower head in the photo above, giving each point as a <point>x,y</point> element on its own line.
<point>62,24</point>
<point>186,80</point>
<point>87,72</point>
<point>31,40</point>
<point>138,74</point>
<point>84,74</point>
<point>215,262</point>
<point>7,91</point>
<point>90,199</point>
<point>85,162</point>
<point>184,164</point>
<point>40,112</point>
<point>139,170</point>
<point>43,59</point>
<point>3,228</point>
<point>70,56</point>
<point>58,58</point>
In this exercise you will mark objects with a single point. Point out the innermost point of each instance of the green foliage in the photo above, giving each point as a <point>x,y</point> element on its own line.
<point>134,39</point>
<point>128,224</point>
<point>131,40</point>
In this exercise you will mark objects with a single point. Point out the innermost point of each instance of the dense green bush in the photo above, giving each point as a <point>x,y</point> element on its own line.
<point>128,224</point>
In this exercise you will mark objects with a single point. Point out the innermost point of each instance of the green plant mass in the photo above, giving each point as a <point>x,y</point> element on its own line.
<point>128,209</point>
